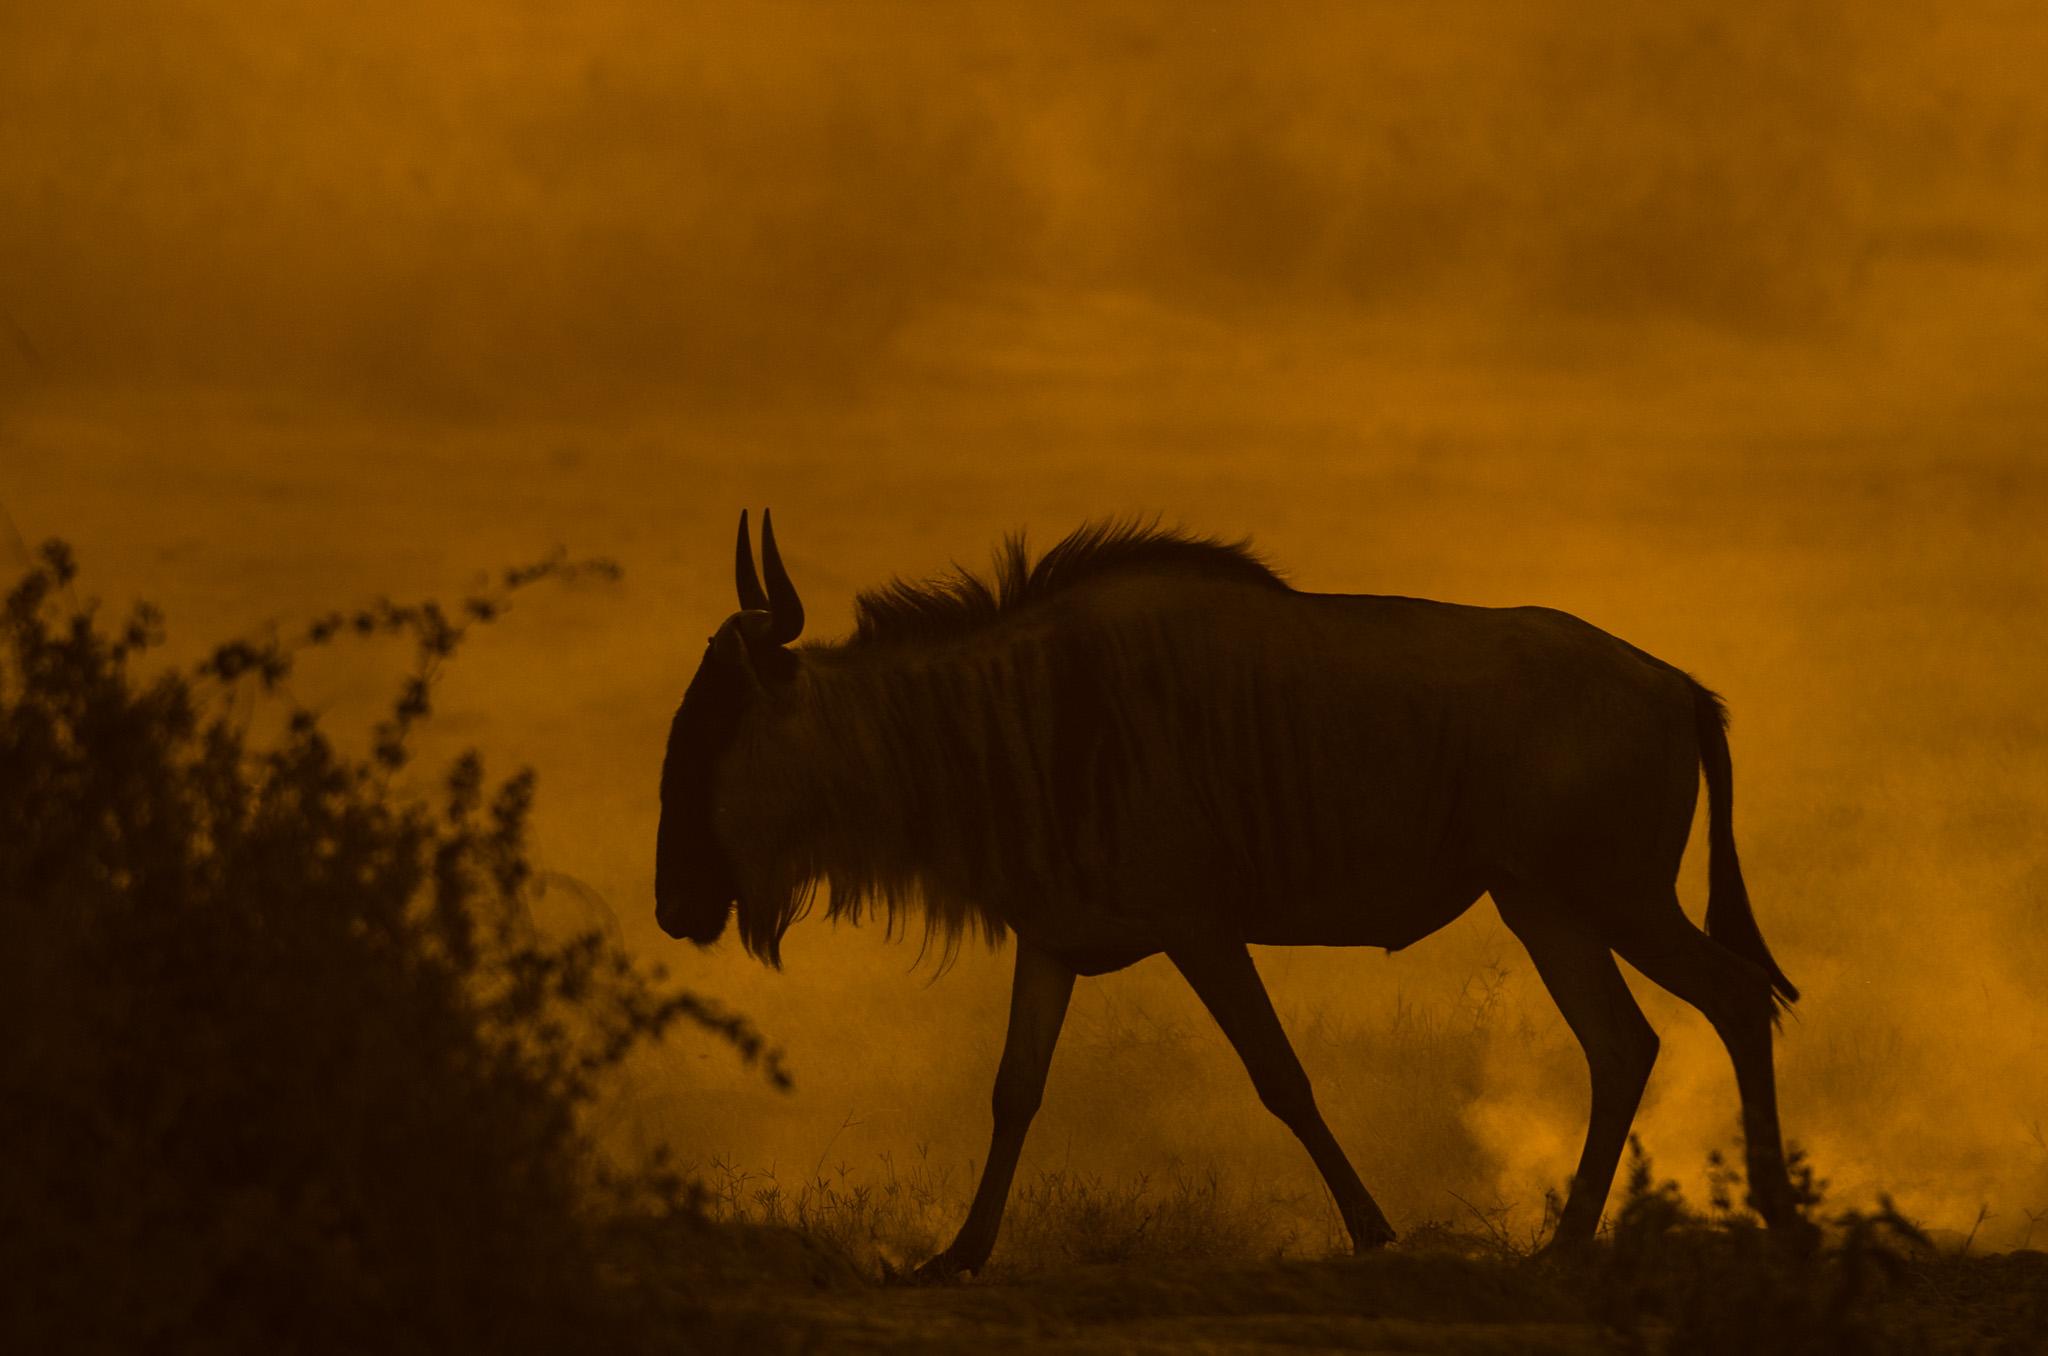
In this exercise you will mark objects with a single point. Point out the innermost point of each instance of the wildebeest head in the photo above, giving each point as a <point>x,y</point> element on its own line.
<point>695,887</point>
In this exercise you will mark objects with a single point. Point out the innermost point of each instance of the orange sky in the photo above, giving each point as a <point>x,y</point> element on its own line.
<point>1727,335</point>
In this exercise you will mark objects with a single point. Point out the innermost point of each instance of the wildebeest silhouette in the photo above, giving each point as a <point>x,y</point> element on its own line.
<point>1147,742</point>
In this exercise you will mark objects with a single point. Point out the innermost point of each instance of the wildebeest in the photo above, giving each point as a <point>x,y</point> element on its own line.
<point>1147,742</point>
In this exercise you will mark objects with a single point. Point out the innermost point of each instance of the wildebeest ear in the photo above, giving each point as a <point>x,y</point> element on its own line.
<point>732,645</point>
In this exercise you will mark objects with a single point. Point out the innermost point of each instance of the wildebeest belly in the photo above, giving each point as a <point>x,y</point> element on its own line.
<point>1101,960</point>
<point>1391,920</point>
<point>1093,943</point>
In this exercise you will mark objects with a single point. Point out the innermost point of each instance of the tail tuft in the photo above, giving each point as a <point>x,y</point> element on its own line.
<point>1729,918</point>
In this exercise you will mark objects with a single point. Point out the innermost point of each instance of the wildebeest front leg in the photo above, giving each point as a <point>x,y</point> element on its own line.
<point>1224,978</point>
<point>1038,1008</point>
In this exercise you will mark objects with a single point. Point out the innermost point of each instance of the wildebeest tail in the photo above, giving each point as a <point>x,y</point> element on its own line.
<point>1730,920</point>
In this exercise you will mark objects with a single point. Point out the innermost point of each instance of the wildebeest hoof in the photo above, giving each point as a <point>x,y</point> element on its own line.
<point>1796,1234</point>
<point>1571,1247</point>
<point>941,1270</point>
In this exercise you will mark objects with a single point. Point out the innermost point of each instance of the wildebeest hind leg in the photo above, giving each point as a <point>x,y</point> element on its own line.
<point>1580,973</point>
<point>1224,978</point>
<point>1038,1008</point>
<point>1735,996</point>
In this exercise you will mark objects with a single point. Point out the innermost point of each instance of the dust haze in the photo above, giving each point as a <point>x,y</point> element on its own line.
<point>1728,334</point>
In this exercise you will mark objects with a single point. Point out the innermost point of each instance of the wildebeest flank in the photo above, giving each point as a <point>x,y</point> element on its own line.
<point>1147,742</point>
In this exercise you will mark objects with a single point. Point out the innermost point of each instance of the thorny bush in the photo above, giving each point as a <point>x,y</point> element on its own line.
<point>285,1064</point>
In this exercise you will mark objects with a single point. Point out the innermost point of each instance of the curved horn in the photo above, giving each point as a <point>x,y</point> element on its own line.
<point>782,599</point>
<point>751,597</point>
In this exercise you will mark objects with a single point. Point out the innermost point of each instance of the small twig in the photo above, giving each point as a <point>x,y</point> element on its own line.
<point>1983,1213</point>
<point>1493,1230</point>
<point>28,561</point>
<point>844,1125</point>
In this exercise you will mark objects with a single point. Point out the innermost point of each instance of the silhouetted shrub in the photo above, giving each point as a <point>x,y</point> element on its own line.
<point>1717,1281</point>
<point>284,1069</point>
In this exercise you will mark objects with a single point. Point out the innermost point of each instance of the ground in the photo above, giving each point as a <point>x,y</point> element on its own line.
<point>776,1291</point>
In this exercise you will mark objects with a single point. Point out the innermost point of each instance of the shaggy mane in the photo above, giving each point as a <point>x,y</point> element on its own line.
<point>978,787</point>
<point>952,604</point>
